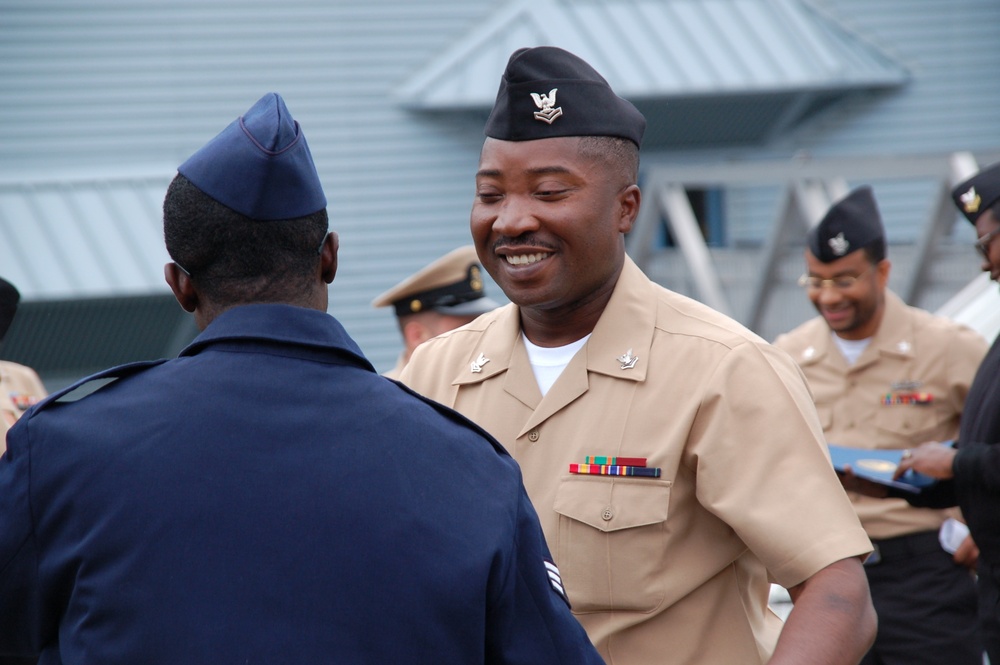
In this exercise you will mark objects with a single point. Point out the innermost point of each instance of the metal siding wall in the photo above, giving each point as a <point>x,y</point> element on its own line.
<point>951,104</point>
<point>117,85</point>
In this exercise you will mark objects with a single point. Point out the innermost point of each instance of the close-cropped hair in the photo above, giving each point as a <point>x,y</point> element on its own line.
<point>620,154</point>
<point>234,259</point>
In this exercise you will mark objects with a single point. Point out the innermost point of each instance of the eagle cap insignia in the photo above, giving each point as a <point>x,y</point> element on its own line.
<point>547,103</point>
<point>839,244</point>
<point>475,278</point>
<point>971,200</point>
<point>627,360</point>
<point>477,364</point>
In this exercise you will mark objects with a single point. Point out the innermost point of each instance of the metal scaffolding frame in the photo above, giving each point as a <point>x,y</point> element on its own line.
<point>809,188</point>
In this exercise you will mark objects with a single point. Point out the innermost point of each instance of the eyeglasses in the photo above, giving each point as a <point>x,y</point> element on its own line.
<point>840,282</point>
<point>982,244</point>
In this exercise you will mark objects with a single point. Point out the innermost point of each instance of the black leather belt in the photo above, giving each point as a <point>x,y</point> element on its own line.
<point>903,547</point>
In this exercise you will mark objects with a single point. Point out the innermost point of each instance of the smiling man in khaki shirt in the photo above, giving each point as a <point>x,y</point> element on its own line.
<point>889,376</point>
<point>728,485</point>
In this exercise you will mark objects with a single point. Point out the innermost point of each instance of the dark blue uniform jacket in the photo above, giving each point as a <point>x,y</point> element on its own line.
<point>266,497</point>
<point>976,485</point>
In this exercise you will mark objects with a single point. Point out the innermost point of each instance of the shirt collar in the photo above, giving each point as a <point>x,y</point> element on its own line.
<point>288,324</point>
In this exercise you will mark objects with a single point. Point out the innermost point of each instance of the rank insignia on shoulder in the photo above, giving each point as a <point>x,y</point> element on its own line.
<point>555,579</point>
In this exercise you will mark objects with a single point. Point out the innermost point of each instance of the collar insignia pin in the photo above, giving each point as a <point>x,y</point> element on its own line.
<point>809,353</point>
<point>477,364</point>
<point>903,347</point>
<point>547,103</point>
<point>839,244</point>
<point>627,360</point>
<point>971,200</point>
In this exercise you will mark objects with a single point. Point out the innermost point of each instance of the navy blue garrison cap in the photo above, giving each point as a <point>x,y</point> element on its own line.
<point>547,92</point>
<point>851,224</point>
<point>977,194</point>
<point>260,165</point>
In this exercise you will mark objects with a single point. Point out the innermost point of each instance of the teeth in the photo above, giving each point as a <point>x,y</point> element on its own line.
<point>524,259</point>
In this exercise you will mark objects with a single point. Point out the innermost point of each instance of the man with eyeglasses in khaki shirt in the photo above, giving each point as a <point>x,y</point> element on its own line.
<point>889,376</point>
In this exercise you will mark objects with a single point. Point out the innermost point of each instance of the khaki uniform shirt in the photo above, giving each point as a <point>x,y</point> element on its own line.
<point>672,569</point>
<point>912,352</point>
<point>20,387</point>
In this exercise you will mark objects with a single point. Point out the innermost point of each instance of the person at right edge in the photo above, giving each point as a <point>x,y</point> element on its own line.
<point>969,470</point>
<point>674,458</point>
<point>885,375</point>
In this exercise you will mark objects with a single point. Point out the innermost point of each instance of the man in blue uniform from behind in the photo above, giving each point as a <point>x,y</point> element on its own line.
<point>266,497</point>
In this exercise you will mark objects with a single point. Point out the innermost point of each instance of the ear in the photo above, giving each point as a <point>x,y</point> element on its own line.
<point>415,333</point>
<point>328,256</point>
<point>182,286</point>
<point>629,200</point>
<point>882,270</point>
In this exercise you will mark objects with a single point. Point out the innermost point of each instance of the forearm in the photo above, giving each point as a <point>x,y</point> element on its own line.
<point>832,622</point>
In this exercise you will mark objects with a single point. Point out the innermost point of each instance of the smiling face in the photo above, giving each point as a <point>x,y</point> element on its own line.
<point>987,223</point>
<point>548,221</point>
<point>854,312</point>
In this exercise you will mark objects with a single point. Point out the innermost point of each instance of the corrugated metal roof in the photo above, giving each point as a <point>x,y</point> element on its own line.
<point>657,49</point>
<point>84,237</point>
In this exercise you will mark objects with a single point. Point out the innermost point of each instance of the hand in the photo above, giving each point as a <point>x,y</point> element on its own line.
<point>853,483</point>
<point>967,553</point>
<point>931,459</point>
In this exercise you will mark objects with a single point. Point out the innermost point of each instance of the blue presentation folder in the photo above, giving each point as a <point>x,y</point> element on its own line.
<point>878,466</point>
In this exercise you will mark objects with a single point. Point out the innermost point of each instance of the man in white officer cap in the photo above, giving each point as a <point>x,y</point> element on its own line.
<point>439,297</point>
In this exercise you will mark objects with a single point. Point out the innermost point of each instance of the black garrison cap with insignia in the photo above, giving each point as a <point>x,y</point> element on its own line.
<point>851,224</point>
<point>977,194</point>
<point>547,92</point>
<point>260,165</point>
<point>450,285</point>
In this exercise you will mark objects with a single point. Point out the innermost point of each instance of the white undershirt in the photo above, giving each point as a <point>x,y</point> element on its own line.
<point>851,348</point>
<point>549,362</point>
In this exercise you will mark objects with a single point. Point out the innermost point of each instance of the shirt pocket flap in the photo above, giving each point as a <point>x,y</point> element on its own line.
<point>611,504</point>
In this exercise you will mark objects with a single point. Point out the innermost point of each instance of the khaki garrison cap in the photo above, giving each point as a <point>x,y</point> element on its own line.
<point>451,285</point>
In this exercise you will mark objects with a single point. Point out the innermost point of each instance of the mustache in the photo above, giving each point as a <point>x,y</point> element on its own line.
<point>525,239</point>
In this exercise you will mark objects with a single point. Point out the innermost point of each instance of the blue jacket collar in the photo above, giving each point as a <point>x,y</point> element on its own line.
<point>279,323</point>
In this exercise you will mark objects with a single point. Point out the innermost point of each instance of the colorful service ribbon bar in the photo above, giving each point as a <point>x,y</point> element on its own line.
<point>620,461</point>
<point>907,398</point>
<point>614,470</point>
